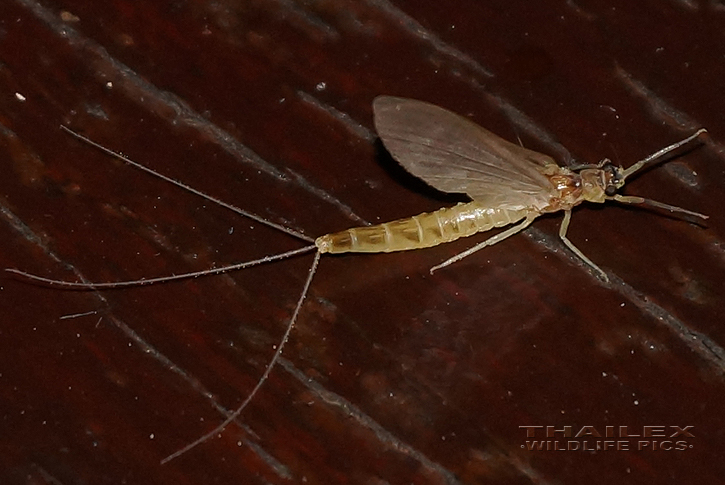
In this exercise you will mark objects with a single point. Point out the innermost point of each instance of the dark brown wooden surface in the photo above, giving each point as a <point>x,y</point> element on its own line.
<point>392,375</point>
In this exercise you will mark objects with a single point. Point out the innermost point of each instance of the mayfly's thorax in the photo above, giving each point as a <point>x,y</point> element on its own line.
<point>594,183</point>
<point>573,188</point>
<point>421,231</point>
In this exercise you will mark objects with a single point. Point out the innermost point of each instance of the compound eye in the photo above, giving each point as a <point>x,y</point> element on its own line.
<point>610,190</point>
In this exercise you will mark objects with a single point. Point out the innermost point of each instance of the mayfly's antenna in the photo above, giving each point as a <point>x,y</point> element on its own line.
<point>72,285</point>
<point>182,185</point>
<point>264,377</point>
<point>660,154</point>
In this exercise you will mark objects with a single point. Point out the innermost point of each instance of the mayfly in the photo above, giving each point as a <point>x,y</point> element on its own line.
<point>508,184</point>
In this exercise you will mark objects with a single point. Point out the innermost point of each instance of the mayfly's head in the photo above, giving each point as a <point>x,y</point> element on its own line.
<point>601,182</point>
<point>613,178</point>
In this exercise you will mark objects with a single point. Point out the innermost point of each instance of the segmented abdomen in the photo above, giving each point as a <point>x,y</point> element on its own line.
<point>421,231</point>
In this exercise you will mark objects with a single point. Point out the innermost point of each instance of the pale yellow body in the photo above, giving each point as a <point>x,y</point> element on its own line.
<point>421,231</point>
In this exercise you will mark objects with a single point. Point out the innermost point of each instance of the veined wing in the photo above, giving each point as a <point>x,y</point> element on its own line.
<point>453,154</point>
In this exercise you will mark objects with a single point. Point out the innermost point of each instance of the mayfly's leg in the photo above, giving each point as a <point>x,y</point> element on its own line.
<point>488,242</point>
<point>629,199</point>
<point>562,234</point>
<point>266,373</point>
<point>661,154</point>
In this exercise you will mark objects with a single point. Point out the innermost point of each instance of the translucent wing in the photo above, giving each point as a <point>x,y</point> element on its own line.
<point>453,154</point>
